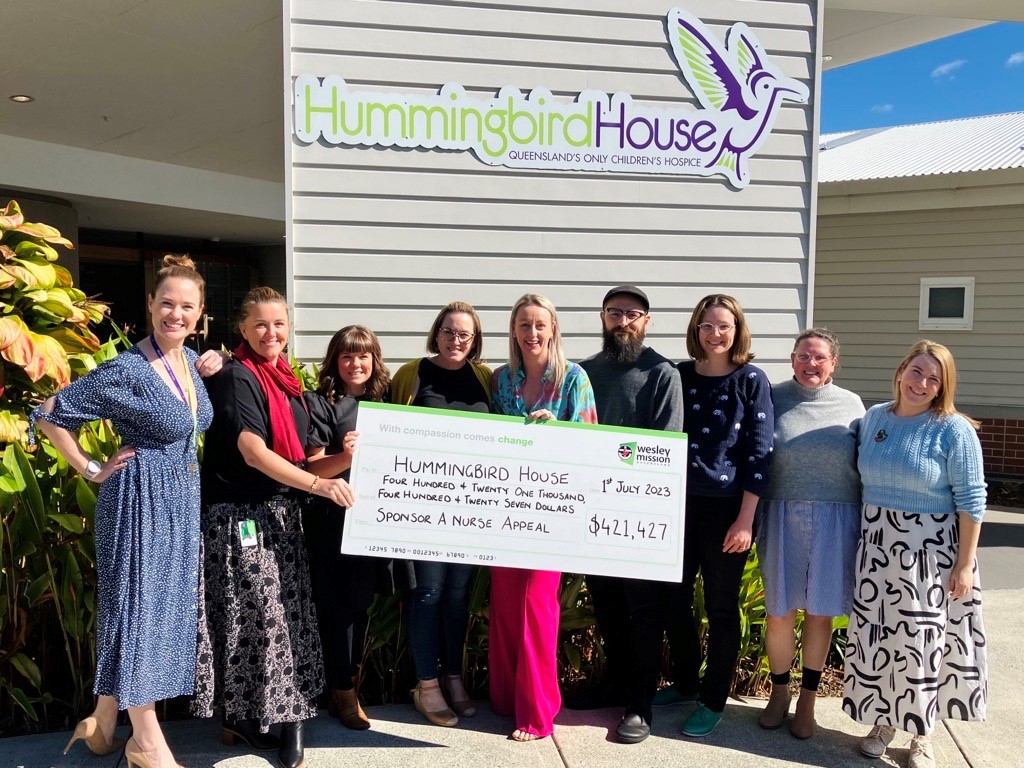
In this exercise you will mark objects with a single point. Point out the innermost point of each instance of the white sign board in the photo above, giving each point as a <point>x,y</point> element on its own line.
<point>462,487</point>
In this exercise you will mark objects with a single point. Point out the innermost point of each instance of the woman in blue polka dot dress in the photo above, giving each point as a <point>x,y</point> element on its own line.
<point>728,420</point>
<point>147,515</point>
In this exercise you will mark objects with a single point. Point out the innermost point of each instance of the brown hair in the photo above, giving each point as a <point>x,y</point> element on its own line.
<point>556,357</point>
<point>477,350</point>
<point>261,294</point>
<point>820,333</point>
<point>739,353</point>
<point>355,339</point>
<point>943,404</point>
<point>180,266</point>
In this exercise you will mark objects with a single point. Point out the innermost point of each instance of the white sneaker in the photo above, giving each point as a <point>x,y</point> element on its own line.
<point>921,754</point>
<point>874,744</point>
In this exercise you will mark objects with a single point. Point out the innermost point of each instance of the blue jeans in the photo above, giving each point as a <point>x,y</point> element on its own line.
<point>441,589</point>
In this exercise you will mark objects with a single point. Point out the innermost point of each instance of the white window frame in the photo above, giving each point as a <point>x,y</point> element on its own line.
<point>965,323</point>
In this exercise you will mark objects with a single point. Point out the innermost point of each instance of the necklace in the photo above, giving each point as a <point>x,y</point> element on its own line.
<point>186,396</point>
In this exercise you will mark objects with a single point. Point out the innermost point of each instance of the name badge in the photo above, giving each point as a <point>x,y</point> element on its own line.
<point>247,532</point>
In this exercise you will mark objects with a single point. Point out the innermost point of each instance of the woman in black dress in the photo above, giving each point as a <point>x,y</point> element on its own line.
<point>343,585</point>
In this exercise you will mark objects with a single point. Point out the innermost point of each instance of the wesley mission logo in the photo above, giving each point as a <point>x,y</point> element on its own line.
<point>739,88</point>
<point>639,453</point>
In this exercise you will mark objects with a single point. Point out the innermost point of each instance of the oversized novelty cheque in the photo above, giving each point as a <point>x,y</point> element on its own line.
<point>461,487</point>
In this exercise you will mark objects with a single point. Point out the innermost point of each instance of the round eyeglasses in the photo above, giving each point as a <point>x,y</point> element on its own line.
<point>617,314</point>
<point>463,337</point>
<point>706,328</point>
<point>804,357</point>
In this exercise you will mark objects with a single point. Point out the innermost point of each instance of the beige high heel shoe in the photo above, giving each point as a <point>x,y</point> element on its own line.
<point>136,758</point>
<point>88,730</point>
<point>443,717</point>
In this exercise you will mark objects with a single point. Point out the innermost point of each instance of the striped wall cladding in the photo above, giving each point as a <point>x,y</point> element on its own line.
<point>386,236</point>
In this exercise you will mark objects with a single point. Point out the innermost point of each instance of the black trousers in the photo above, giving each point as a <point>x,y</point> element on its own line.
<point>343,589</point>
<point>608,595</point>
<point>708,518</point>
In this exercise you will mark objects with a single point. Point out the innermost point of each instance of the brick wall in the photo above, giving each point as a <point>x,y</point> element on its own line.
<point>1002,445</point>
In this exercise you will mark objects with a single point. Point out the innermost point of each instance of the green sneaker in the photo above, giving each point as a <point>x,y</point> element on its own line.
<point>702,722</point>
<point>670,696</point>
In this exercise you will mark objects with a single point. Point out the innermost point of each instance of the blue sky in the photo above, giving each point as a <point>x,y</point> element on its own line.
<point>980,72</point>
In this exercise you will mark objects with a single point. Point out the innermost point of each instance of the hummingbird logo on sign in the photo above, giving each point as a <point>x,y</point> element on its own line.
<point>738,80</point>
<point>627,451</point>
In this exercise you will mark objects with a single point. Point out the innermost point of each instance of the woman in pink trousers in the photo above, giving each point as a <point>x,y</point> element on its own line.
<point>540,384</point>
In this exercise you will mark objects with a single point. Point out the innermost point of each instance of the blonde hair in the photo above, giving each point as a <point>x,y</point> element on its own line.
<point>180,266</point>
<point>556,357</point>
<point>739,352</point>
<point>943,404</point>
<point>476,350</point>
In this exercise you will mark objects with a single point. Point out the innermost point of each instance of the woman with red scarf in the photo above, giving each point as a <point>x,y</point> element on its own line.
<point>259,652</point>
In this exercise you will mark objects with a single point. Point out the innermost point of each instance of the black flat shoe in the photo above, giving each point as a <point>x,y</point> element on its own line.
<point>233,731</point>
<point>632,729</point>
<point>291,753</point>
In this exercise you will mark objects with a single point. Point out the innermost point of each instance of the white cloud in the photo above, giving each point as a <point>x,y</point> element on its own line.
<point>1015,59</point>
<point>947,69</point>
<point>881,109</point>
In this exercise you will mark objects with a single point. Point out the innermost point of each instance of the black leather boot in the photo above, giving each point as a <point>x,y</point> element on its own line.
<point>291,754</point>
<point>231,731</point>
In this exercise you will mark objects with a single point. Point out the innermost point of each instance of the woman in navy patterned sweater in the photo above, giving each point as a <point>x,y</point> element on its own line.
<point>729,422</point>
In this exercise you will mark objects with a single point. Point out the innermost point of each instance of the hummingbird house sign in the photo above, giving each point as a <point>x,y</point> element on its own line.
<point>739,89</point>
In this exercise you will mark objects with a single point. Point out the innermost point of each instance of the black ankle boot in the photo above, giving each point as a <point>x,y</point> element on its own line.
<point>231,731</point>
<point>291,754</point>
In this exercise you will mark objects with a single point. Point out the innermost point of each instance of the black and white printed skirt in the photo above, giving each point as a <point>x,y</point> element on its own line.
<point>259,654</point>
<point>913,655</point>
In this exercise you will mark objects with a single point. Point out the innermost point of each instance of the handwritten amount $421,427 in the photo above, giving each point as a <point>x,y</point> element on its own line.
<point>602,526</point>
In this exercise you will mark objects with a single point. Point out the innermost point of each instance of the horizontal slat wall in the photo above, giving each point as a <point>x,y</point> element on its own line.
<point>384,236</point>
<point>868,276</point>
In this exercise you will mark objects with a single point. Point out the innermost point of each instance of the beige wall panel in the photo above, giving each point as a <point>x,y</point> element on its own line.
<point>589,20</point>
<point>385,236</point>
<point>539,215</point>
<point>869,268</point>
<point>583,53</point>
<point>431,240</point>
<point>655,273</point>
<point>560,188</point>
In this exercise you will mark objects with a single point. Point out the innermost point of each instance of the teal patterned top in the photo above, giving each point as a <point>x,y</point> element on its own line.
<point>573,401</point>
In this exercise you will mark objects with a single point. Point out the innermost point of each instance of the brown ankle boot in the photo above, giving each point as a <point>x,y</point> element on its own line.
<point>802,726</point>
<point>778,707</point>
<point>345,706</point>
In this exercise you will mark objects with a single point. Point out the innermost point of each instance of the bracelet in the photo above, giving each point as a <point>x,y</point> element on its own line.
<point>313,485</point>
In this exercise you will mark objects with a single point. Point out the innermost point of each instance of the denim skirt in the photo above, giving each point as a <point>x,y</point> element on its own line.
<point>807,551</point>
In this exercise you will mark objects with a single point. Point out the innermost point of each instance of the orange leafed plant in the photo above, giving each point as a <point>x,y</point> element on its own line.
<point>44,320</point>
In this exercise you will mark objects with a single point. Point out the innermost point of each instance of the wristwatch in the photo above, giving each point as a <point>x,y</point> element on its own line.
<point>92,469</point>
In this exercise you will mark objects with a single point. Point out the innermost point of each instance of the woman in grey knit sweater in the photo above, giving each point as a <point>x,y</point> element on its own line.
<point>808,521</point>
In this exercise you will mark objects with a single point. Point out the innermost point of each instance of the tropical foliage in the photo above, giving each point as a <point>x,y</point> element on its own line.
<point>47,552</point>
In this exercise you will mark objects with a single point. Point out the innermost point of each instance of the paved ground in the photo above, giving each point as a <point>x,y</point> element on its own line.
<point>400,737</point>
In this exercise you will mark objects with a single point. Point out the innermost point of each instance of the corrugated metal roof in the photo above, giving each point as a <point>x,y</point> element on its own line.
<point>991,142</point>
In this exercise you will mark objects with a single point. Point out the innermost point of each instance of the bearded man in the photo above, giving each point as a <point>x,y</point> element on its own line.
<point>634,386</point>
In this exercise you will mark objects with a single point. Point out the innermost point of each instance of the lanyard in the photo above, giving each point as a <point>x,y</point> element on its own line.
<point>184,393</point>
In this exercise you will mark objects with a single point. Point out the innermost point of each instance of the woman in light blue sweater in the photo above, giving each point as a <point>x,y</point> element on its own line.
<point>916,647</point>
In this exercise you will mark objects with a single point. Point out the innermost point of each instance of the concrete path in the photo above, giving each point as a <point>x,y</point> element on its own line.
<point>400,737</point>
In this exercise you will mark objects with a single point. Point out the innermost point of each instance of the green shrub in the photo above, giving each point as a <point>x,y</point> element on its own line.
<point>47,552</point>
